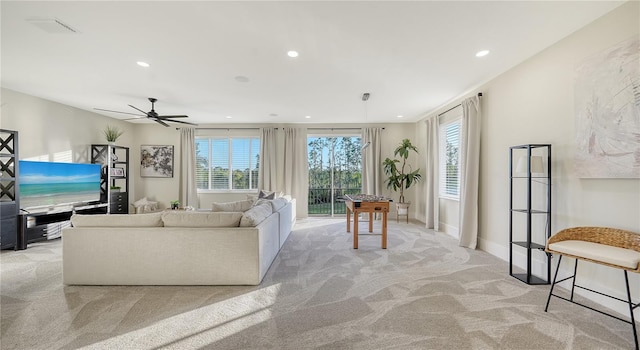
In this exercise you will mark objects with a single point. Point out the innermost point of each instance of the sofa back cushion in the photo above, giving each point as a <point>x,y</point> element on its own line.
<point>256,215</point>
<point>181,218</point>
<point>117,220</point>
<point>276,204</point>
<point>233,206</point>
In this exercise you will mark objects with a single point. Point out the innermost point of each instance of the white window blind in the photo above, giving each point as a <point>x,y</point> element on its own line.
<point>450,159</point>
<point>227,163</point>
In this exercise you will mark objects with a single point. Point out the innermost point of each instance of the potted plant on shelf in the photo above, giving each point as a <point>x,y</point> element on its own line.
<point>112,133</point>
<point>115,188</point>
<point>175,204</point>
<point>403,177</point>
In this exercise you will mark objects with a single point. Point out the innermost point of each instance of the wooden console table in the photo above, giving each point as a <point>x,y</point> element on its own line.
<point>360,203</point>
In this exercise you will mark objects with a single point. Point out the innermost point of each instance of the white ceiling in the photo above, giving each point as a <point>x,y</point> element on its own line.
<point>411,56</point>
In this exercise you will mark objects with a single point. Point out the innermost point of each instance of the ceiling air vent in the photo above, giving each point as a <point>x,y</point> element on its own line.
<point>52,25</point>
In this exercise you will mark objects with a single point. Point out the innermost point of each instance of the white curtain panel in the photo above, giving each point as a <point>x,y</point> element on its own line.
<point>267,173</point>
<point>188,187</point>
<point>372,161</point>
<point>432,180</point>
<point>296,168</point>
<point>470,172</point>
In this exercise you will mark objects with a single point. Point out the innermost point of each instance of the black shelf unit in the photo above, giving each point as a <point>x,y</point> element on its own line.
<point>9,190</point>
<point>115,172</point>
<point>528,242</point>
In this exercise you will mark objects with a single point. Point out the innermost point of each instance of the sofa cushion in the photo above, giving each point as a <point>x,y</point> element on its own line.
<point>276,204</point>
<point>599,252</point>
<point>181,218</point>
<point>117,220</point>
<point>233,206</point>
<point>256,215</point>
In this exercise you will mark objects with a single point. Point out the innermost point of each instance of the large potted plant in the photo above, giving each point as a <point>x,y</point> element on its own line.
<point>401,177</point>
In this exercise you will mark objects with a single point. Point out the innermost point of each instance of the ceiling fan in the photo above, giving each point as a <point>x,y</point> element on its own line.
<point>161,119</point>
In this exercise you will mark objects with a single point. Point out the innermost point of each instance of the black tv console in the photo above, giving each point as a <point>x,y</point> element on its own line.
<point>42,226</point>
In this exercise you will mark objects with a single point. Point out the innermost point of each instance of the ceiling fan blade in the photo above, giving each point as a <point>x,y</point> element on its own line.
<point>108,110</point>
<point>161,122</point>
<point>172,116</point>
<point>136,108</point>
<point>179,121</point>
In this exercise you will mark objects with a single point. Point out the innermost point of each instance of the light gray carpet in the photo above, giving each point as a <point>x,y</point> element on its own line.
<point>423,292</point>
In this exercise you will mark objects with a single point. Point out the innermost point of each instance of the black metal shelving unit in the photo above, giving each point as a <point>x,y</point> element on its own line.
<point>115,172</point>
<point>9,191</point>
<point>526,240</point>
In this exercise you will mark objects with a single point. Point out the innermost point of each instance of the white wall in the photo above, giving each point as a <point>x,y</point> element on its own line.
<point>534,103</point>
<point>55,132</point>
<point>162,190</point>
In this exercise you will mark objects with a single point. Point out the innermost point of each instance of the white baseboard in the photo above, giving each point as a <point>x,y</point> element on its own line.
<point>450,230</point>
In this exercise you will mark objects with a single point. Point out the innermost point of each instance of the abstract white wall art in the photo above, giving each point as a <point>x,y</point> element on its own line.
<point>156,161</point>
<point>607,96</point>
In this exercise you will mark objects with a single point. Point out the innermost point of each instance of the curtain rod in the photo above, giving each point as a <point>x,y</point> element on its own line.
<point>275,128</point>
<point>336,128</point>
<point>224,128</point>
<point>456,106</point>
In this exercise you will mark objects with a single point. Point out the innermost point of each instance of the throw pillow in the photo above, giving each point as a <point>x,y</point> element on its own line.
<point>266,195</point>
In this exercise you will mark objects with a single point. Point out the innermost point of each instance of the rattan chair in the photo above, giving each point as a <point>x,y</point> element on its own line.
<point>569,242</point>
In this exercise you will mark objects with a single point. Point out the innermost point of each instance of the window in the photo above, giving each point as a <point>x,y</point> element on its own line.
<point>227,163</point>
<point>450,159</point>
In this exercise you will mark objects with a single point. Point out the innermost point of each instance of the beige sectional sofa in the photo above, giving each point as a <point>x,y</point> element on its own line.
<point>176,247</point>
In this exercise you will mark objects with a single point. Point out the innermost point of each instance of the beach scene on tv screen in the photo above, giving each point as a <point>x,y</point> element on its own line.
<point>48,184</point>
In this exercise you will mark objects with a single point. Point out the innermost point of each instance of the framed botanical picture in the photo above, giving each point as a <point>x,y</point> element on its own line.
<point>156,161</point>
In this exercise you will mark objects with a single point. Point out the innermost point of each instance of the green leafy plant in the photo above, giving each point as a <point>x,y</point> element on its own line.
<point>401,178</point>
<point>175,204</point>
<point>112,133</point>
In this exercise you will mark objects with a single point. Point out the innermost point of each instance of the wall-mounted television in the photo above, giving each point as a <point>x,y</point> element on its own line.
<point>46,184</point>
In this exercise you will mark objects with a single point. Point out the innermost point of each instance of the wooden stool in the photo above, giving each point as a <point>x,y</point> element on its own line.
<point>402,209</point>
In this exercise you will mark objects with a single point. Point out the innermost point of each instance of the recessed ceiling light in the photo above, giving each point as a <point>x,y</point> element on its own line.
<point>228,117</point>
<point>273,114</point>
<point>241,79</point>
<point>399,116</point>
<point>292,53</point>
<point>143,64</point>
<point>307,116</point>
<point>482,53</point>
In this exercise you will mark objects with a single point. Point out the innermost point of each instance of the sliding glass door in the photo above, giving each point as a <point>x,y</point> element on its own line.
<point>334,170</point>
